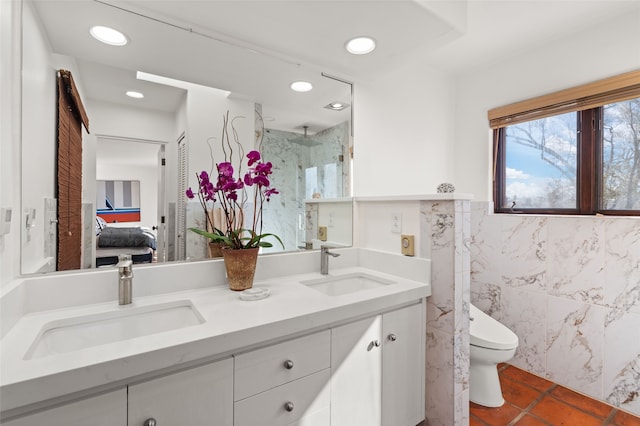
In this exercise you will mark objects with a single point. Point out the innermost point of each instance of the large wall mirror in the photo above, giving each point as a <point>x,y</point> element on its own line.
<point>190,77</point>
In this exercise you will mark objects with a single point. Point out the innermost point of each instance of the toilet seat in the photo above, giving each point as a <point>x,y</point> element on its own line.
<point>488,333</point>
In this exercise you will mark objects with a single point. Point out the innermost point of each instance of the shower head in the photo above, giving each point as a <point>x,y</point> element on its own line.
<point>305,140</point>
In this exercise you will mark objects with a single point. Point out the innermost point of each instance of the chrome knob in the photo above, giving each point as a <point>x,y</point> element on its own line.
<point>376,343</point>
<point>288,406</point>
<point>150,422</point>
<point>288,364</point>
<point>392,337</point>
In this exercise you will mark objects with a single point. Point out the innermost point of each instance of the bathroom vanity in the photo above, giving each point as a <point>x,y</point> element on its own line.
<point>342,349</point>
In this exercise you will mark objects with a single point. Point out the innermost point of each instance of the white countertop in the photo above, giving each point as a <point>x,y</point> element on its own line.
<point>231,326</point>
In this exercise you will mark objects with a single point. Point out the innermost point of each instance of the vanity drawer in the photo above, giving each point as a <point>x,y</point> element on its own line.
<point>304,401</point>
<point>266,368</point>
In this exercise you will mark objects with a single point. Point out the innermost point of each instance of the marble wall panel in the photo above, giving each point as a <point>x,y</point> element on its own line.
<point>622,264</point>
<point>524,244</point>
<point>445,237</point>
<point>485,246</point>
<point>575,342</point>
<point>524,312</point>
<point>487,298</point>
<point>442,300</point>
<point>622,366</point>
<point>575,252</point>
<point>446,227</point>
<point>439,403</point>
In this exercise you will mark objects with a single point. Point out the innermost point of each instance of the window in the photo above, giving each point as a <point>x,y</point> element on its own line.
<point>572,152</point>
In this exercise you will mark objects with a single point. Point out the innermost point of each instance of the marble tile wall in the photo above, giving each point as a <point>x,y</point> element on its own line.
<point>569,287</point>
<point>284,214</point>
<point>445,236</point>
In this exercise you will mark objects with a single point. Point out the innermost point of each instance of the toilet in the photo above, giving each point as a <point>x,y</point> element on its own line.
<point>491,343</point>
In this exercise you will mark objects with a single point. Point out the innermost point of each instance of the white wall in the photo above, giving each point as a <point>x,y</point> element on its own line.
<point>10,83</point>
<point>404,131</point>
<point>39,121</point>
<point>605,50</point>
<point>375,220</point>
<point>139,162</point>
<point>134,123</point>
<point>205,108</point>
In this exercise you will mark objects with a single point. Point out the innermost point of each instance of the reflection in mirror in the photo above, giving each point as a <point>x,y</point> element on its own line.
<point>189,81</point>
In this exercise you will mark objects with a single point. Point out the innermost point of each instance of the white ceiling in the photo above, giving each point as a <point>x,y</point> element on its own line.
<point>254,49</point>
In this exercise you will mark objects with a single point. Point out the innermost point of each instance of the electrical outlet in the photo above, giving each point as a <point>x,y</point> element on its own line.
<point>407,245</point>
<point>396,223</point>
<point>322,233</point>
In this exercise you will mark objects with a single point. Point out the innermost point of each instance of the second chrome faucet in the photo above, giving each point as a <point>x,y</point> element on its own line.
<point>324,259</point>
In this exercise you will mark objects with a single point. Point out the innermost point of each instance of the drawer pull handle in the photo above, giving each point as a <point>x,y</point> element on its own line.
<point>288,364</point>
<point>288,406</point>
<point>392,337</point>
<point>150,422</point>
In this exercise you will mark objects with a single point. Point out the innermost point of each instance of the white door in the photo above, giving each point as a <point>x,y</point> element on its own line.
<point>161,225</point>
<point>109,409</point>
<point>181,205</point>
<point>356,362</point>
<point>403,402</point>
<point>195,397</point>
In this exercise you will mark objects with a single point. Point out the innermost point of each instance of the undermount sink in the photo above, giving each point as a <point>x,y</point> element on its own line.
<point>338,285</point>
<point>71,334</point>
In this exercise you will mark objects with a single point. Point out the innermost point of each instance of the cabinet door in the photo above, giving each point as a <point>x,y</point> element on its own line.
<point>109,409</point>
<point>195,397</point>
<point>356,363</point>
<point>403,367</point>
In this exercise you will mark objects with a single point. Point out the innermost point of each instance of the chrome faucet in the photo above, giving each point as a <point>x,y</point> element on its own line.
<point>324,259</point>
<point>125,280</point>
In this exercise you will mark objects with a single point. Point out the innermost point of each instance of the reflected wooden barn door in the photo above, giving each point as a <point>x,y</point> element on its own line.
<point>71,115</point>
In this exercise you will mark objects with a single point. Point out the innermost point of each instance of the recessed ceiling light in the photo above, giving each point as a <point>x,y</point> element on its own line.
<point>360,45</point>
<point>336,106</point>
<point>108,35</point>
<point>136,95</point>
<point>301,86</point>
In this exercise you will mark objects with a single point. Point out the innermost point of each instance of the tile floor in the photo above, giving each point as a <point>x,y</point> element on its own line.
<point>532,401</point>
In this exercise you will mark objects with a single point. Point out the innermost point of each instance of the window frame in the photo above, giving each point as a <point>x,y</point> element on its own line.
<point>589,179</point>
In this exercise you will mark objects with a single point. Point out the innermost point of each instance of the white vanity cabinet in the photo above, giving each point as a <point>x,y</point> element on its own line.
<point>378,370</point>
<point>284,384</point>
<point>194,397</point>
<point>109,409</point>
